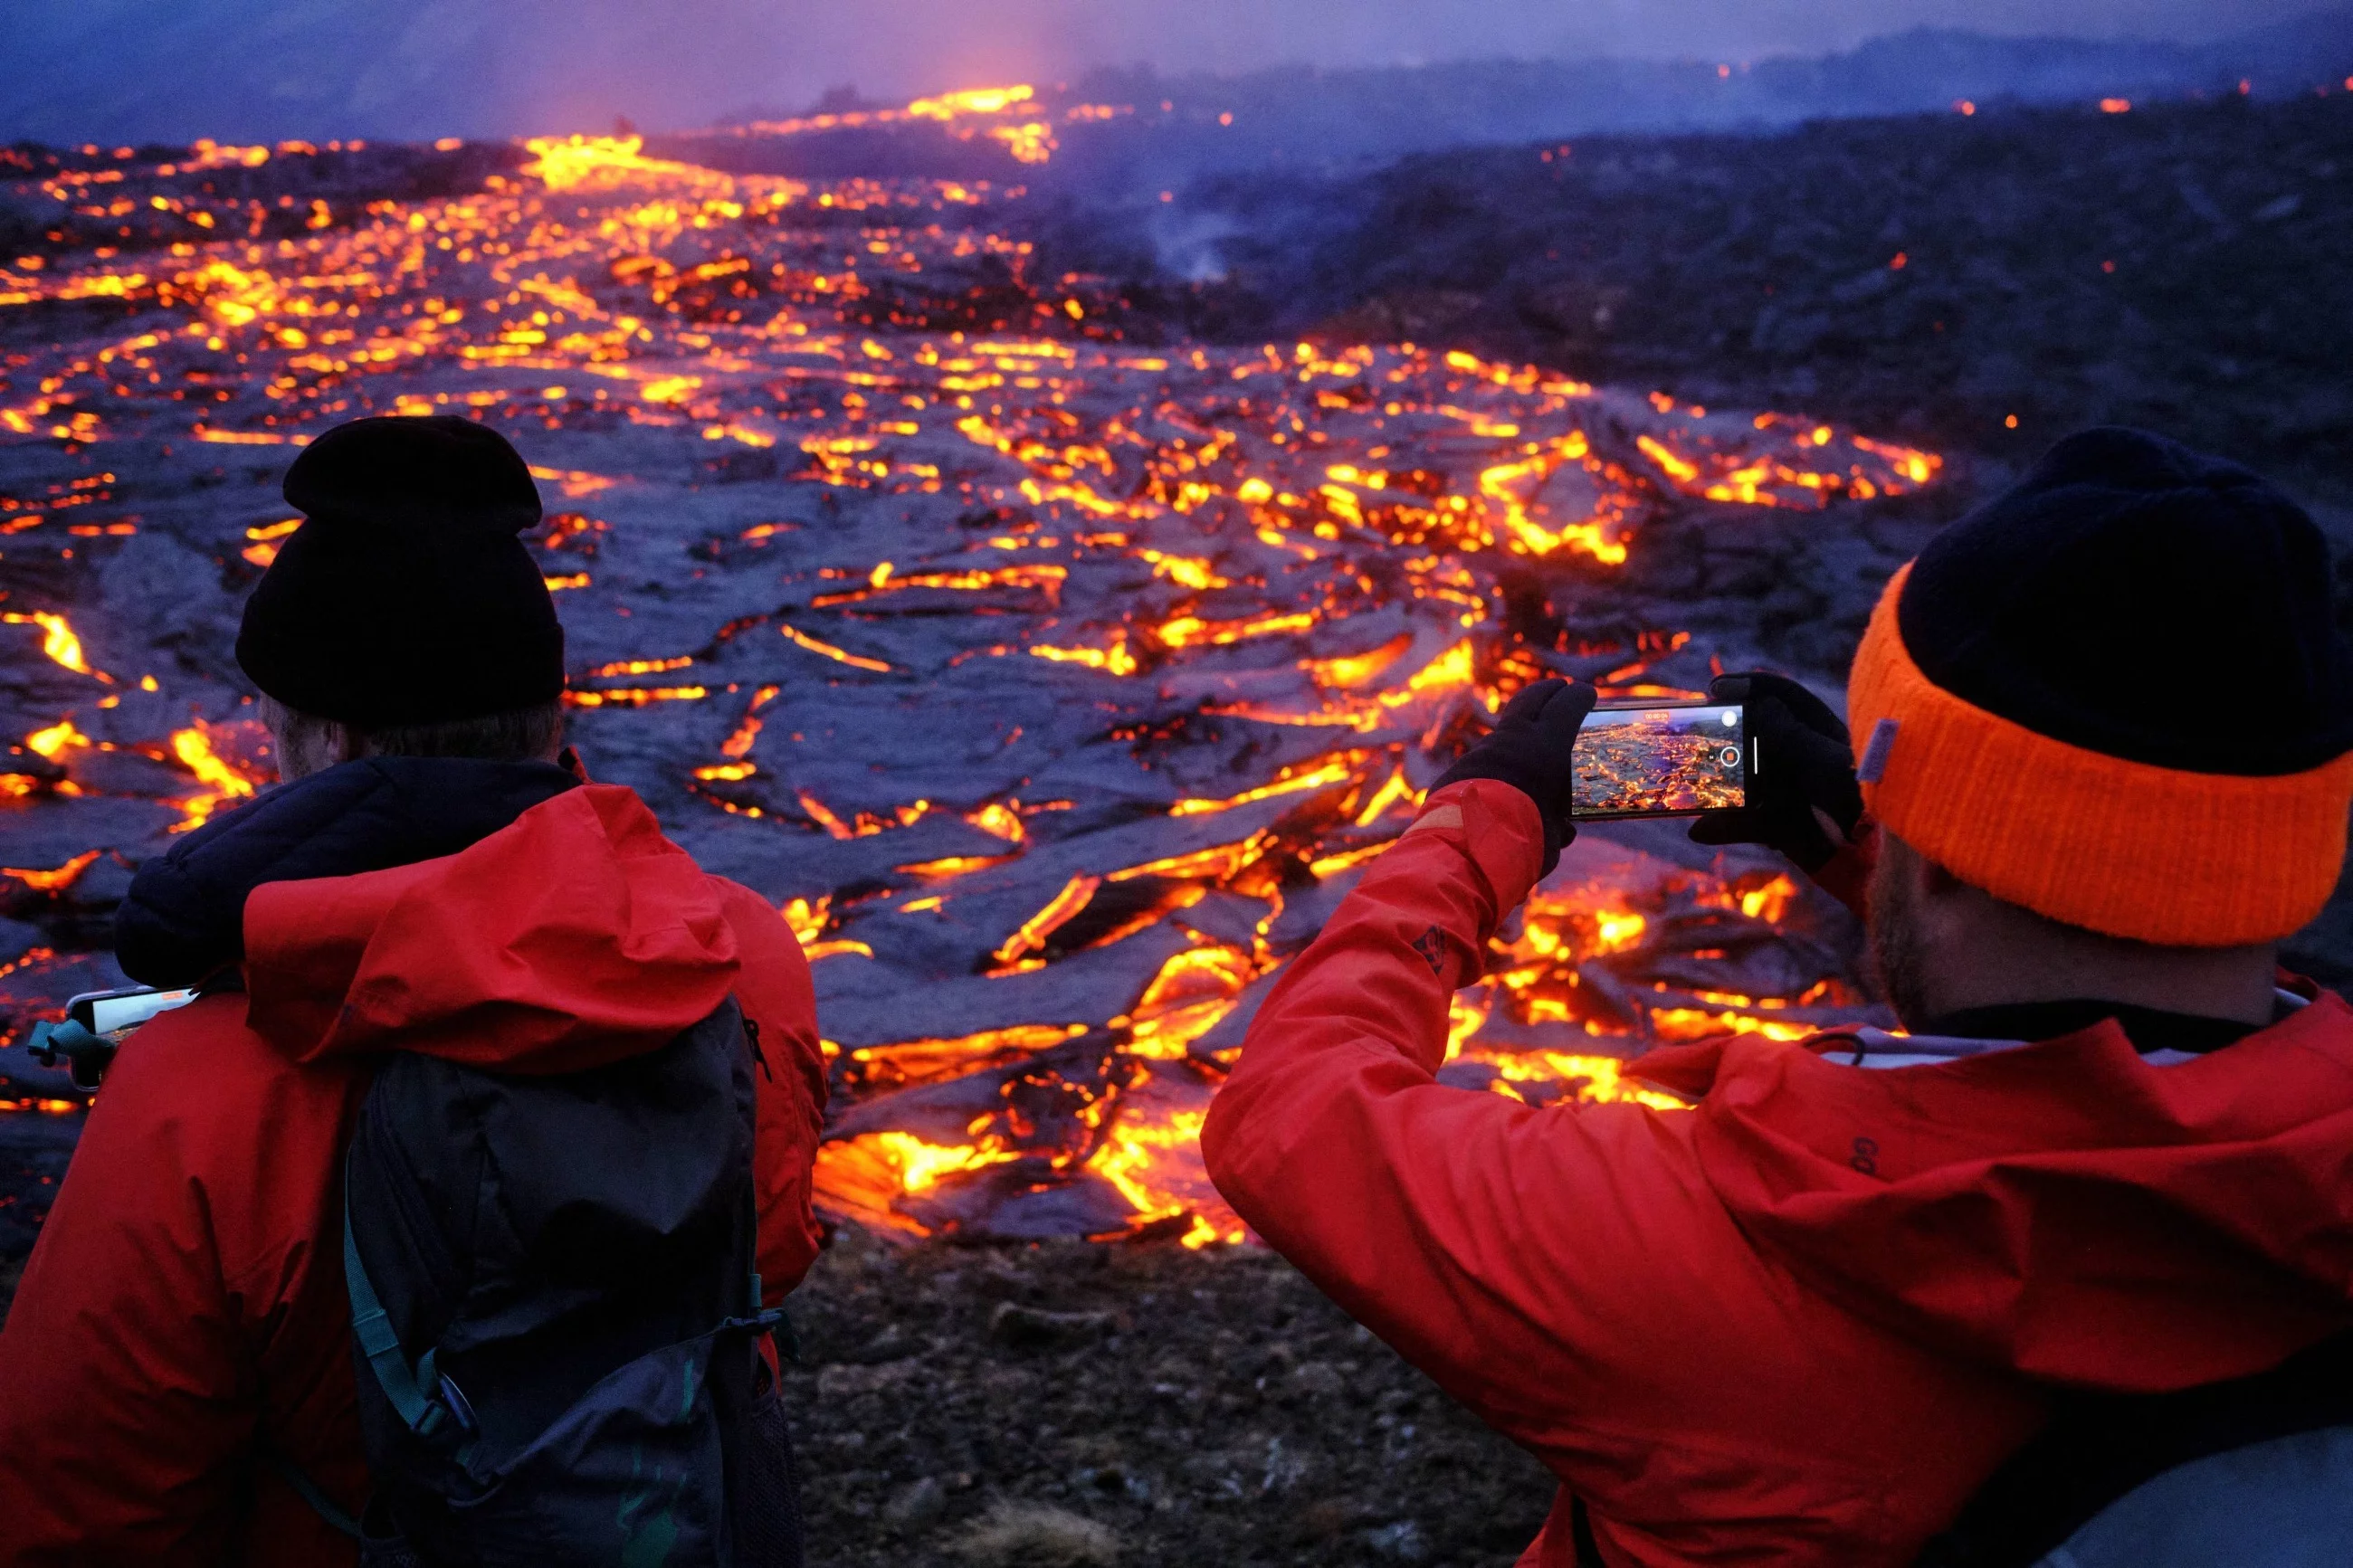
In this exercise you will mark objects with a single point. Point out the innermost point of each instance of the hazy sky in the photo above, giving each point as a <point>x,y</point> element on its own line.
<point>127,68</point>
<point>1234,34</point>
<point>899,45</point>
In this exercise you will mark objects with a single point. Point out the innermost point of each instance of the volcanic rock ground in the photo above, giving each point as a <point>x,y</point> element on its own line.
<point>1203,1407</point>
<point>2177,266</point>
<point>1189,1406</point>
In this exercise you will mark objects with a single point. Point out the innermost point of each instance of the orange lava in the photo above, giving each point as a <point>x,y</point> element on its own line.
<point>1305,544</point>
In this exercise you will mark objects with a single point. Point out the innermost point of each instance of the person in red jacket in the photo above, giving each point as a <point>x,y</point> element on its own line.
<point>429,879</point>
<point>1831,1315</point>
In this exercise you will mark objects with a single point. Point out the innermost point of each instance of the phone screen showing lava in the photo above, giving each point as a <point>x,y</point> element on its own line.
<point>1661,762</point>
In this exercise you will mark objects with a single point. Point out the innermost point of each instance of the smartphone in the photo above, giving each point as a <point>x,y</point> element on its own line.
<point>1662,759</point>
<point>110,1012</point>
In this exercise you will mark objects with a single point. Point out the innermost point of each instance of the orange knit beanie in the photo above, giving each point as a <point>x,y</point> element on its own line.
<point>2115,696</point>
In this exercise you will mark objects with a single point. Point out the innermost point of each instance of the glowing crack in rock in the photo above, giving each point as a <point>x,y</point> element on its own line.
<point>1051,687</point>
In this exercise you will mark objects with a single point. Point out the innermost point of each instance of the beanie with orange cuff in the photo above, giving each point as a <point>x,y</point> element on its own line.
<point>2116,695</point>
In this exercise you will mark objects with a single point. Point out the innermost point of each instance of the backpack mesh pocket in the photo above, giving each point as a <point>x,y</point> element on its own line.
<point>766,1509</point>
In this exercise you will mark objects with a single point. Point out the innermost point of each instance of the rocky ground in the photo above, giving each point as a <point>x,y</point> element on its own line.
<point>1079,1404</point>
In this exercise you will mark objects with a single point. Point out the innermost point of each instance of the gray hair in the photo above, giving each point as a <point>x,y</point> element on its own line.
<point>309,743</point>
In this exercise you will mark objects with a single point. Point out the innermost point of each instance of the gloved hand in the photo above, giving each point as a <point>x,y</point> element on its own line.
<point>1802,797</point>
<point>1530,749</point>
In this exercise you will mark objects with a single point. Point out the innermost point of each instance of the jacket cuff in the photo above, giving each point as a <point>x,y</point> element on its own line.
<point>1846,875</point>
<point>1498,828</point>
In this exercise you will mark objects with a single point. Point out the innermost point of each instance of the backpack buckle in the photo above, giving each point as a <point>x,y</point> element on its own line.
<point>448,1396</point>
<point>445,1407</point>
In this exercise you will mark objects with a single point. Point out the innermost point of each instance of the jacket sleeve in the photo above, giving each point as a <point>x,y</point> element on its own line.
<point>1846,875</point>
<point>1526,1258</point>
<point>127,1397</point>
<point>776,993</point>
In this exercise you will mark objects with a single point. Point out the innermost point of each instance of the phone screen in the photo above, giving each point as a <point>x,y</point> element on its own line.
<point>104,1012</point>
<point>1662,761</point>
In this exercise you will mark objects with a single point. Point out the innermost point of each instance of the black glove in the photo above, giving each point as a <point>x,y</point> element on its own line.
<point>1531,750</point>
<point>1805,764</point>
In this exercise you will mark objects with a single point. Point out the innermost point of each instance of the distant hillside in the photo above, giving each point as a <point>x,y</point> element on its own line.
<point>1296,117</point>
<point>134,71</point>
<point>2180,266</point>
<point>1171,132</point>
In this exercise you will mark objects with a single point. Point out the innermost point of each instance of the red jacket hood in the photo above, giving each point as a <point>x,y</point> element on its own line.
<point>2063,1209</point>
<point>574,936</point>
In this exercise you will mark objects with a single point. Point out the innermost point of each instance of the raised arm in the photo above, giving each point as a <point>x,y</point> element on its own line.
<point>1512,1252</point>
<point>1501,1247</point>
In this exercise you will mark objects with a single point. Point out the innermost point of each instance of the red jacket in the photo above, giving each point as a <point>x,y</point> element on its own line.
<point>1800,1322</point>
<point>186,1302</point>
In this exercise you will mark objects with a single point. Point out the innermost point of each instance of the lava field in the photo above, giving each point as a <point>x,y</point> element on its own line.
<point>1050,674</point>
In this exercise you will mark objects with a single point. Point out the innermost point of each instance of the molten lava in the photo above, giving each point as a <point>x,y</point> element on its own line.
<point>1053,688</point>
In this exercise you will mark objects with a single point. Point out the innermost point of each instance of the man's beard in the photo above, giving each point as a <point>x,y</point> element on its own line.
<point>1895,948</point>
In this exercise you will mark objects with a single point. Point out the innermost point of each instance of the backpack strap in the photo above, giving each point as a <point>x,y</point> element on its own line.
<point>2099,1448</point>
<point>371,1327</point>
<point>760,1319</point>
<point>769,1320</point>
<point>747,1237</point>
<point>425,1413</point>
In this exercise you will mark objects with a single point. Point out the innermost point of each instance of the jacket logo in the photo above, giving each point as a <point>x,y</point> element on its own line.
<point>1431,945</point>
<point>1866,1156</point>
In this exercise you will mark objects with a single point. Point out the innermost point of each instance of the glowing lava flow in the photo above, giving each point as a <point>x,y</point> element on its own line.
<point>58,643</point>
<point>193,749</point>
<point>1013,117</point>
<point>1052,688</point>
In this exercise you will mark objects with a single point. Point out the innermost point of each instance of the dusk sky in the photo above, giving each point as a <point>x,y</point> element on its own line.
<point>230,68</point>
<point>1236,35</point>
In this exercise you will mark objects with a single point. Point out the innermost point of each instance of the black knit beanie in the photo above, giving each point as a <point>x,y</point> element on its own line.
<point>2142,600</point>
<point>406,597</point>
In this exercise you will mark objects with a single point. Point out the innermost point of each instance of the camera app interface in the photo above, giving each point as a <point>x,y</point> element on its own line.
<point>1655,761</point>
